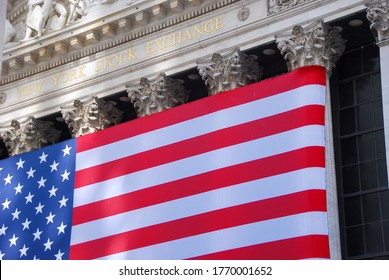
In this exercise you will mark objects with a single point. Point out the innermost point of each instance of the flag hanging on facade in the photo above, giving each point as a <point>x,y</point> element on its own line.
<point>237,175</point>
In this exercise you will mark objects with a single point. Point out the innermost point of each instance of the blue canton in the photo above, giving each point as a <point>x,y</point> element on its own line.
<point>36,200</point>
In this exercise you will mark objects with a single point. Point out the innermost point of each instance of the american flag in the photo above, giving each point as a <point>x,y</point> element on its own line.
<point>238,175</point>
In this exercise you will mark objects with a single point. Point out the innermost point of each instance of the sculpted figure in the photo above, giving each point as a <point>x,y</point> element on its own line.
<point>77,9</point>
<point>41,16</point>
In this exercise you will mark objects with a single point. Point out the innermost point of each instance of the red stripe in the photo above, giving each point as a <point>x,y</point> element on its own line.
<point>304,247</point>
<point>224,177</point>
<point>307,201</point>
<point>309,115</point>
<point>300,77</point>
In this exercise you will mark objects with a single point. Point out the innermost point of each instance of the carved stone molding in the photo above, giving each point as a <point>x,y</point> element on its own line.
<point>276,6</point>
<point>233,70</point>
<point>377,12</point>
<point>93,38</point>
<point>316,44</point>
<point>157,95</point>
<point>32,134</point>
<point>93,115</point>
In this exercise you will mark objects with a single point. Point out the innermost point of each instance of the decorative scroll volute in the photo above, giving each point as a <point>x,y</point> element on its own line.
<point>233,70</point>
<point>32,134</point>
<point>93,115</point>
<point>157,95</point>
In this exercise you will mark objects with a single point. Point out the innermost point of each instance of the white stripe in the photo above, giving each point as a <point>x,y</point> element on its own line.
<point>312,135</point>
<point>306,95</point>
<point>310,223</point>
<point>292,182</point>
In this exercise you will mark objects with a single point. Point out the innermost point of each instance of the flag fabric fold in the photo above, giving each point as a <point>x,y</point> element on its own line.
<point>237,175</point>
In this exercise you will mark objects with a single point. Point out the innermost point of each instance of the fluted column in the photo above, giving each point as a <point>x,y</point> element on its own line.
<point>90,116</point>
<point>32,134</point>
<point>232,70</point>
<point>377,12</point>
<point>153,96</point>
<point>319,44</point>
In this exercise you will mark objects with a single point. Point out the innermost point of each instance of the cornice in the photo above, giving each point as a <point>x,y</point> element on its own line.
<point>79,41</point>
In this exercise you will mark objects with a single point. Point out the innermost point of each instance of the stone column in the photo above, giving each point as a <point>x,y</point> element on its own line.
<point>90,116</point>
<point>377,12</point>
<point>157,95</point>
<point>234,69</point>
<point>319,44</point>
<point>32,134</point>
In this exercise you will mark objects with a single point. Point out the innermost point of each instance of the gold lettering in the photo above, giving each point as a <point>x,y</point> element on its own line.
<point>187,35</point>
<point>160,43</point>
<point>32,88</point>
<point>121,59</point>
<point>38,86</point>
<point>206,26</point>
<point>131,55</point>
<point>81,72</point>
<point>64,77</point>
<point>72,75</point>
<point>219,23</point>
<point>149,48</point>
<point>56,78</point>
<point>98,67</point>
<point>115,60</point>
<point>200,32</point>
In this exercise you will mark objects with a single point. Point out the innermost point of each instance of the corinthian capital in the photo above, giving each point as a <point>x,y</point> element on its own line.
<point>157,95</point>
<point>33,134</point>
<point>93,115</point>
<point>377,12</point>
<point>233,70</point>
<point>316,44</point>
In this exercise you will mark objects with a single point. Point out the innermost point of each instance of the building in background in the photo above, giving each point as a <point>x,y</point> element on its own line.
<point>73,67</point>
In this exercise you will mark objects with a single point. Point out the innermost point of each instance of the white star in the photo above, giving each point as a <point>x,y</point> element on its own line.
<point>48,244</point>
<point>20,163</point>
<point>15,214</point>
<point>26,224</point>
<point>29,198</point>
<point>39,208</point>
<point>8,179</point>
<point>66,151</point>
<point>65,175</point>
<point>50,218</point>
<point>61,228</point>
<point>59,255</point>
<point>30,173</point>
<point>35,258</point>
<point>23,251</point>
<point>1,255</point>
<point>41,182</point>
<point>43,157</point>
<point>6,203</point>
<point>18,189</point>
<point>37,234</point>
<point>53,191</point>
<point>3,229</point>
<point>13,240</point>
<point>54,166</point>
<point>63,201</point>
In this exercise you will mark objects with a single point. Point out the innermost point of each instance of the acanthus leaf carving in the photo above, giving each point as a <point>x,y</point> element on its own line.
<point>317,44</point>
<point>233,70</point>
<point>377,12</point>
<point>32,134</point>
<point>153,96</point>
<point>93,115</point>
